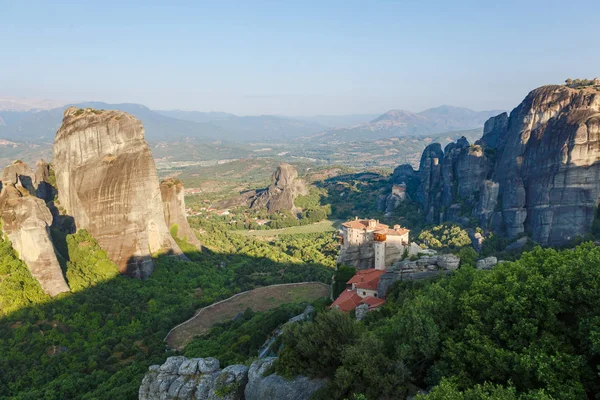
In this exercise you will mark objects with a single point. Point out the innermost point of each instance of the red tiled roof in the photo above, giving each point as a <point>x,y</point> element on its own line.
<point>348,300</point>
<point>372,302</point>
<point>366,278</point>
<point>363,224</point>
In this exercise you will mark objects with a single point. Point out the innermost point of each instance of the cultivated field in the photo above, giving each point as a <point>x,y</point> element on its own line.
<point>323,226</point>
<point>261,299</point>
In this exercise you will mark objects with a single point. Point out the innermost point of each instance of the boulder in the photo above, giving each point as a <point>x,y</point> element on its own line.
<point>175,380</point>
<point>107,182</point>
<point>20,175</point>
<point>230,383</point>
<point>273,386</point>
<point>448,261</point>
<point>487,263</point>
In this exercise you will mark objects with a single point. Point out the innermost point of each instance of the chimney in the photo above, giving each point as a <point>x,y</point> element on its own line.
<point>396,227</point>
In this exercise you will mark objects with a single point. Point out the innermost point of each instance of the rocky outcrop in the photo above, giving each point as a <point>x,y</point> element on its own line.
<point>426,267</point>
<point>281,193</point>
<point>107,182</point>
<point>26,222</point>
<point>535,171</point>
<point>201,379</point>
<point>261,387</point>
<point>487,263</point>
<point>172,194</point>
<point>19,174</point>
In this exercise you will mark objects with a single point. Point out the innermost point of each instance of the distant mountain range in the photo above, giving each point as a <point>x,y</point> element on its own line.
<point>25,122</point>
<point>398,123</point>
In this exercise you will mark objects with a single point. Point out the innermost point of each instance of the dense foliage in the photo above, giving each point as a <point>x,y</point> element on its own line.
<point>445,236</point>
<point>88,264</point>
<point>97,342</point>
<point>528,328</point>
<point>18,289</point>
<point>235,341</point>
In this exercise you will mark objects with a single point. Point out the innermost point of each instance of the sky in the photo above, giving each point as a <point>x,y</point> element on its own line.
<point>295,57</point>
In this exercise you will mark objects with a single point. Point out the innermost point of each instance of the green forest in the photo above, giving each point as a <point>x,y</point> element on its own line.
<point>99,340</point>
<point>527,329</point>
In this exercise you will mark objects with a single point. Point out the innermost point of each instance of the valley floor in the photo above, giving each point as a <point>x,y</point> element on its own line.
<point>318,227</point>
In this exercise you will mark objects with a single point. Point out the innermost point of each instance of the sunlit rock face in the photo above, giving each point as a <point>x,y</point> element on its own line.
<point>19,173</point>
<point>26,222</point>
<point>548,164</point>
<point>107,182</point>
<point>173,197</point>
<point>537,171</point>
<point>281,193</point>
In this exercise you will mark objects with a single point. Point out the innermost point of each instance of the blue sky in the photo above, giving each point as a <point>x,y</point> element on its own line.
<point>295,57</point>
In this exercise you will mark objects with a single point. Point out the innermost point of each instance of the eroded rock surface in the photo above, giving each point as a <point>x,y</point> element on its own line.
<point>19,174</point>
<point>173,195</point>
<point>281,193</point>
<point>201,379</point>
<point>107,182</point>
<point>535,171</point>
<point>26,222</point>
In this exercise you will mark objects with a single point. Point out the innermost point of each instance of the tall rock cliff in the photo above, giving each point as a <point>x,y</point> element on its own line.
<point>536,171</point>
<point>26,222</point>
<point>107,182</point>
<point>173,200</point>
<point>281,193</point>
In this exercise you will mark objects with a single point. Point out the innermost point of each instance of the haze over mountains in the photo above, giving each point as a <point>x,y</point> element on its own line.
<point>35,122</point>
<point>396,123</point>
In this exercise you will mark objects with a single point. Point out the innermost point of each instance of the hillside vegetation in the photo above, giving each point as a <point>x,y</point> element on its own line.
<point>526,329</point>
<point>97,342</point>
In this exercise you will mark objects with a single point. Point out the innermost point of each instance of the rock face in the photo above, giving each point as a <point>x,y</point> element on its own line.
<point>26,222</point>
<point>487,263</point>
<point>172,194</point>
<point>281,193</point>
<point>18,173</point>
<point>535,171</point>
<point>275,387</point>
<point>107,182</point>
<point>201,379</point>
<point>43,189</point>
<point>424,268</point>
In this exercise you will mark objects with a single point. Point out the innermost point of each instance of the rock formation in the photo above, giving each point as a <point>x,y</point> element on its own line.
<point>534,171</point>
<point>201,379</point>
<point>281,193</point>
<point>278,196</point>
<point>26,222</point>
<point>19,174</point>
<point>487,263</point>
<point>423,268</point>
<point>43,188</point>
<point>107,182</point>
<point>172,194</point>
